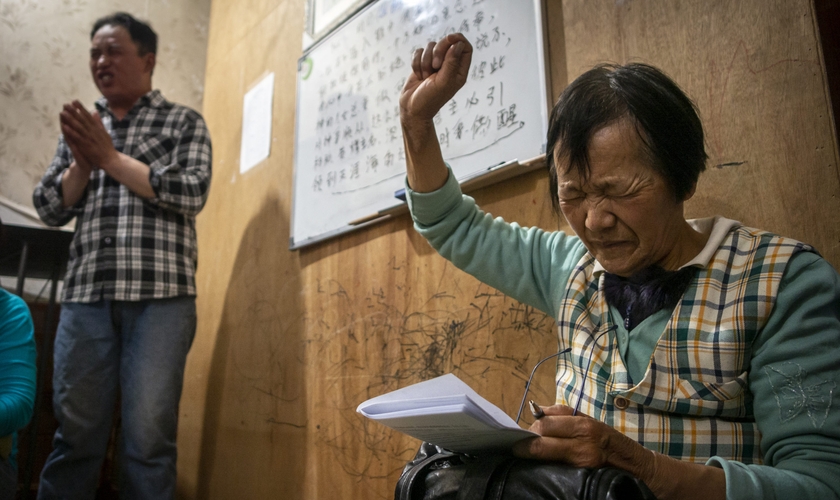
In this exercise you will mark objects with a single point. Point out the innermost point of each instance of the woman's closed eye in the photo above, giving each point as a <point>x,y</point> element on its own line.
<point>571,195</point>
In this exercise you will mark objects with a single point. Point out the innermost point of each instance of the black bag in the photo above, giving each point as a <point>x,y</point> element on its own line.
<point>436,474</point>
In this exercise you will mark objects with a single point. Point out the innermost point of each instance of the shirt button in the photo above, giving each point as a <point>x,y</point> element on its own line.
<point>620,403</point>
<point>108,240</point>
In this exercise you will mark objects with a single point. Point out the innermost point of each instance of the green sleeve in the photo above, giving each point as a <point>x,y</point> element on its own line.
<point>528,264</point>
<point>794,375</point>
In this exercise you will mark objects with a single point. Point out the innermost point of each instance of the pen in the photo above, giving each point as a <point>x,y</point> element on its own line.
<point>535,409</point>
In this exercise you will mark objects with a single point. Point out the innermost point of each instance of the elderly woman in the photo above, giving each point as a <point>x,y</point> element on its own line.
<point>704,353</point>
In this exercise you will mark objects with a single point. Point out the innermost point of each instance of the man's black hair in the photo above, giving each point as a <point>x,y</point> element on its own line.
<point>664,117</point>
<point>141,33</point>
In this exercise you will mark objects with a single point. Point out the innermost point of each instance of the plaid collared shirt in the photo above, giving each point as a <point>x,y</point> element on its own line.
<point>694,401</point>
<point>127,247</point>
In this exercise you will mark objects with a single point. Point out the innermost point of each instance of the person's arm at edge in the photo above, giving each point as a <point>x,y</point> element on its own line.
<point>17,357</point>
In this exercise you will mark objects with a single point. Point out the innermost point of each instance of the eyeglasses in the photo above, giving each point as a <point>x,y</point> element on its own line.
<point>564,351</point>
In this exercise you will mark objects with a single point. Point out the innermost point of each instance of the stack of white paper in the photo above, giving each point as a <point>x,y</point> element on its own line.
<point>447,412</point>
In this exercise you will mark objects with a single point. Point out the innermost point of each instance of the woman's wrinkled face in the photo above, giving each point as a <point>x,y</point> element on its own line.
<point>624,212</point>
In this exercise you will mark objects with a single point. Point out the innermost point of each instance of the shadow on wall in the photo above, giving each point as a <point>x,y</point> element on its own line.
<point>253,443</point>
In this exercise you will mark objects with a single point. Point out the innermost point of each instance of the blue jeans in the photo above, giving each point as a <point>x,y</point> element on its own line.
<point>138,349</point>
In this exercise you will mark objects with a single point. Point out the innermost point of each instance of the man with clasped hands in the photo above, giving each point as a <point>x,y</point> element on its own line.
<point>134,172</point>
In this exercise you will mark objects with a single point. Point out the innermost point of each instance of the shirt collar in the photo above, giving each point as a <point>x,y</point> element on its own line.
<point>715,227</point>
<point>153,99</point>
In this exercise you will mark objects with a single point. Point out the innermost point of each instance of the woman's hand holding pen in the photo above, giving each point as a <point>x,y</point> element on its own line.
<point>582,441</point>
<point>437,73</point>
<point>579,440</point>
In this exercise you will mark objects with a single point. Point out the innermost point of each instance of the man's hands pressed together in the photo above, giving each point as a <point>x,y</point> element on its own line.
<point>86,137</point>
<point>93,148</point>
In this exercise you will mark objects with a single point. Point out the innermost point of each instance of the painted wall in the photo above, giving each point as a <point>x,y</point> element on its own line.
<point>44,63</point>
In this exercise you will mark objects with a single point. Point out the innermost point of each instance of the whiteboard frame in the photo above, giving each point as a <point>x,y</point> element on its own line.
<point>319,26</point>
<point>401,207</point>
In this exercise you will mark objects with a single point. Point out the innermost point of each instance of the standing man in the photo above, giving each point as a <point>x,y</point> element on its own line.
<point>135,172</point>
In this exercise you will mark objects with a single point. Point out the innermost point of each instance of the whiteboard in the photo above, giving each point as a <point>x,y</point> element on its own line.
<point>349,158</point>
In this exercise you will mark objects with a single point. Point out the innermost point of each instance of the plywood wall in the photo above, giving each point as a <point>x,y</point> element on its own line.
<point>289,343</point>
<point>756,71</point>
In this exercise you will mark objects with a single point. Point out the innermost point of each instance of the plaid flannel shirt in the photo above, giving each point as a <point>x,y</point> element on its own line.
<point>694,402</point>
<point>127,247</point>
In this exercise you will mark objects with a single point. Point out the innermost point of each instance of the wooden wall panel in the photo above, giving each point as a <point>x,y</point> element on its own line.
<point>243,385</point>
<point>755,70</point>
<point>289,343</point>
<point>384,311</point>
